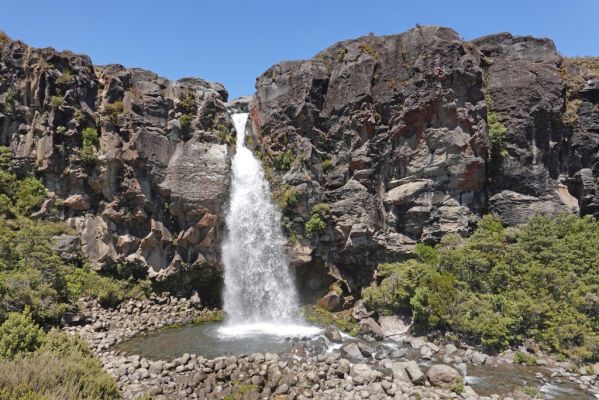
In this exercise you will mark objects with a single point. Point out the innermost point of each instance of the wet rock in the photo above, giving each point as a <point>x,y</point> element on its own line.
<point>351,351</point>
<point>333,334</point>
<point>330,301</point>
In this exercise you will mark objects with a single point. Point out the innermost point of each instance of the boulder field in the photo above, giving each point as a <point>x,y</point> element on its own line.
<point>387,140</point>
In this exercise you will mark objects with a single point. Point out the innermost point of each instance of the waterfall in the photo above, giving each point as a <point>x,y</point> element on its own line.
<point>259,287</point>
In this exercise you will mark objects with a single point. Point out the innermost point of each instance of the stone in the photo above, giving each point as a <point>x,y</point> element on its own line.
<point>359,310</point>
<point>330,301</point>
<point>409,369</point>
<point>333,334</point>
<point>77,202</point>
<point>478,358</point>
<point>370,327</point>
<point>362,373</point>
<point>351,351</point>
<point>441,375</point>
<point>394,327</point>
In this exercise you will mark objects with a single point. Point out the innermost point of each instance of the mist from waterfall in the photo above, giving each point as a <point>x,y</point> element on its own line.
<point>260,291</point>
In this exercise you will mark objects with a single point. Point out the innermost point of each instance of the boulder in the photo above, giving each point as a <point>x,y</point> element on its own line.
<point>351,351</point>
<point>333,334</point>
<point>409,369</point>
<point>443,376</point>
<point>369,326</point>
<point>394,327</point>
<point>330,301</point>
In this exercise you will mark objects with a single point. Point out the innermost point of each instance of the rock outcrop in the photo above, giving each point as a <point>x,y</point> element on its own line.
<point>410,137</point>
<point>373,145</point>
<point>148,187</point>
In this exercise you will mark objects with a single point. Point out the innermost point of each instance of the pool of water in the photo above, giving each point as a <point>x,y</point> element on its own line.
<point>213,340</point>
<point>219,339</point>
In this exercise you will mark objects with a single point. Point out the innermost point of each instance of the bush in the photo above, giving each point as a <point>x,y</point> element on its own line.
<point>51,376</point>
<point>185,121</point>
<point>526,359</point>
<point>502,286</point>
<point>18,335</point>
<point>288,197</point>
<point>497,132</point>
<point>188,104</point>
<point>65,79</point>
<point>90,141</point>
<point>113,110</point>
<point>30,195</point>
<point>56,102</point>
<point>326,166</point>
<point>315,225</point>
<point>284,160</point>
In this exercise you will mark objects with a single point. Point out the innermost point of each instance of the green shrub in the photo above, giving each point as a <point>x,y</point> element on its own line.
<point>56,102</point>
<point>18,335</point>
<point>315,225</point>
<point>9,103</point>
<point>526,359</point>
<point>113,110</point>
<point>497,132</point>
<point>322,210</point>
<point>326,166</point>
<point>5,157</point>
<point>30,194</point>
<point>188,104</point>
<point>90,141</point>
<point>501,286</point>
<point>65,79</point>
<point>288,197</point>
<point>284,160</point>
<point>52,376</point>
<point>185,121</point>
<point>224,135</point>
<point>458,387</point>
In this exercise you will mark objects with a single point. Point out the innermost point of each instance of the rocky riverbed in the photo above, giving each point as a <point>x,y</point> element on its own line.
<point>330,366</point>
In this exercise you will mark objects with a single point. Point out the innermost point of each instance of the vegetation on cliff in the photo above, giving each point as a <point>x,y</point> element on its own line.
<point>504,285</point>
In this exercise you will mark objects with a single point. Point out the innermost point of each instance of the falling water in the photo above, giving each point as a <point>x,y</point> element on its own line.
<point>260,293</point>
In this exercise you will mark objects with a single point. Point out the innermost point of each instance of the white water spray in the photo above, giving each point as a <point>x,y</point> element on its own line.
<point>260,294</point>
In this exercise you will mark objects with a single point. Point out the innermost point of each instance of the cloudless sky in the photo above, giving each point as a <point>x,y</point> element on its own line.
<point>234,41</point>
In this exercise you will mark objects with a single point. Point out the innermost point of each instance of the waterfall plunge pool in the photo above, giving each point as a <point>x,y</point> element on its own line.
<point>216,339</point>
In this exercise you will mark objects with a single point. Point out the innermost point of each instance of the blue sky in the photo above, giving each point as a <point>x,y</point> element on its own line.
<point>234,41</point>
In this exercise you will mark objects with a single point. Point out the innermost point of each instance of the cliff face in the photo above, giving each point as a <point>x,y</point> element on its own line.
<point>405,138</point>
<point>150,191</point>
<point>412,136</point>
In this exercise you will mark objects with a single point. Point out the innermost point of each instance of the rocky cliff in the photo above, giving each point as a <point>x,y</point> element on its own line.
<point>373,145</point>
<point>412,136</point>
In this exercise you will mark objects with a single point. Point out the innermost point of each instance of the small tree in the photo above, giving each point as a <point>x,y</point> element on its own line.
<point>19,334</point>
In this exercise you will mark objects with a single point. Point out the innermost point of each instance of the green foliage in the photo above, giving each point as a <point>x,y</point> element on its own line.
<point>87,153</point>
<point>9,103</point>
<point>532,392</point>
<point>185,121</point>
<point>342,319</point>
<point>18,335</point>
<point>224,135</point>
<point>113,110</point>
<point>5,158</point>
<point>317,222</point>
<point>63,344</point>
<point>215,315</point>
<point>30,195</point>
<point>458,387</point>
<point>51,376</point>
<point>501,286</point>
<point>326,166</point>
<point>288,197</point>
<point>65,79</point>
<point>497,132</point>
<point>56,102</point>
<point>188,104</point>
<point>524,358</point>
<point>315,225</point>
<point>284,160</point>
<point>82,281</point>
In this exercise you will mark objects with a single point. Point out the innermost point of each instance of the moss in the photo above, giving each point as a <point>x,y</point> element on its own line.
<point>326,166</point>
<point>342,319</point>
<point>284,160</point>
<point>458,387</point>
<point>210,316</point>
